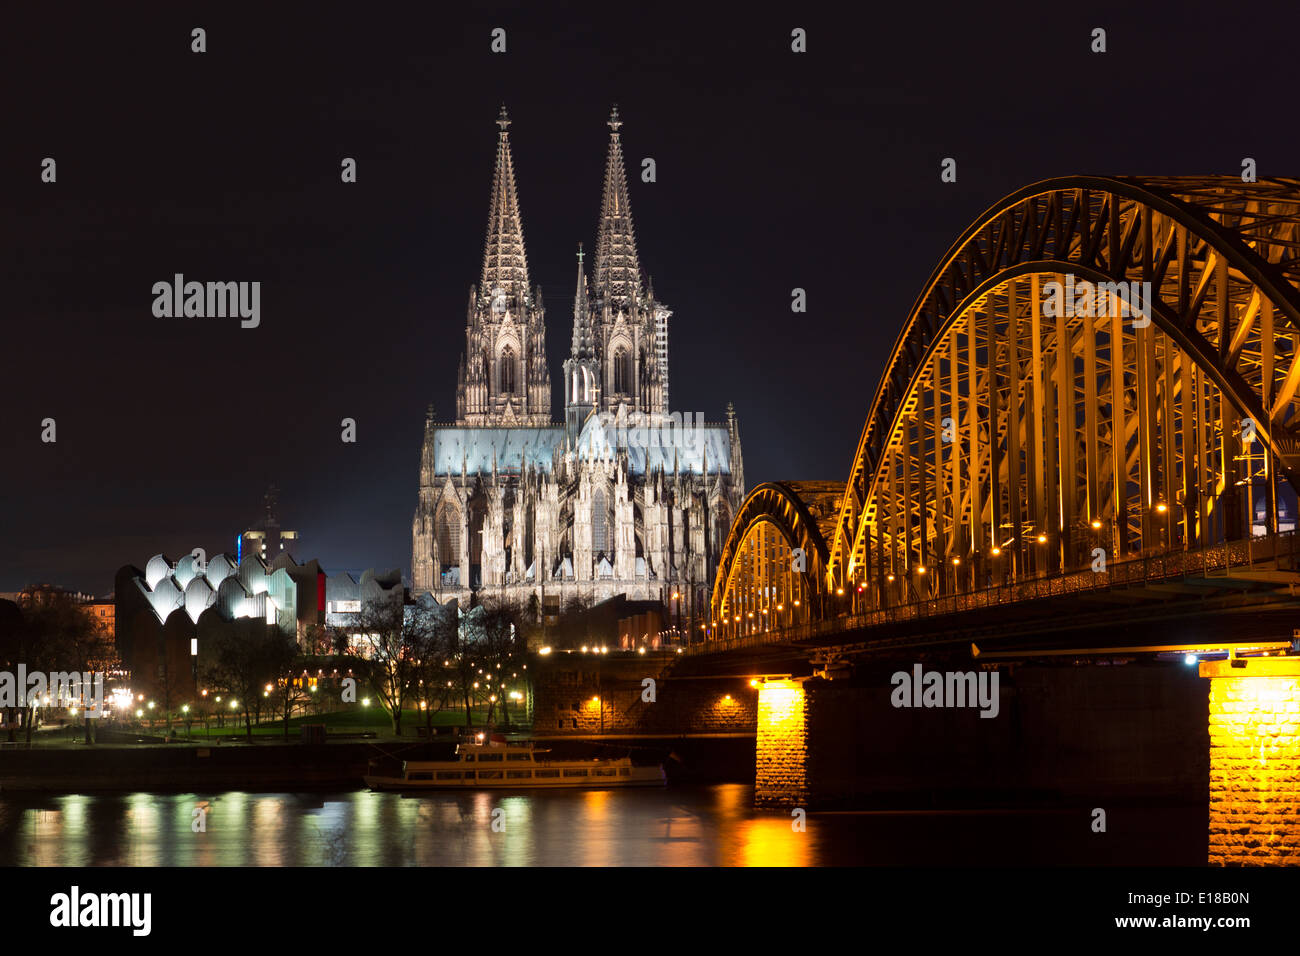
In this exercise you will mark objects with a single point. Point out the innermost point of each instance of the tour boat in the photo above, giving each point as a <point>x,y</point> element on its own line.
<point>514,765</point>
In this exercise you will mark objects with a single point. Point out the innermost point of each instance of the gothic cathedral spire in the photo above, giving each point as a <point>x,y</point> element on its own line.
<point>617,278</point>
<point>504,380</point>
<point>631,329</point>
<point>505,264</point>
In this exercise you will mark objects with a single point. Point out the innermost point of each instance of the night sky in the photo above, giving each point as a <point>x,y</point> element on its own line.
<point>775,170</point>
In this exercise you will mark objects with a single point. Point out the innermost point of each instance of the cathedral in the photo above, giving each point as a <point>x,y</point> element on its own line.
<point>551,515</point>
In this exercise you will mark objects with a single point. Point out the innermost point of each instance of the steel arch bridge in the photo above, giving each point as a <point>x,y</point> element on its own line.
<point>1099,367</point>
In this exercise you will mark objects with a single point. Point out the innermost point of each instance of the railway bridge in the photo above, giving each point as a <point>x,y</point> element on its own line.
<point>1077,472</point>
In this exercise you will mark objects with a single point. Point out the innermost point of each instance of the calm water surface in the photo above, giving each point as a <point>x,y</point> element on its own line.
<point>689,826</point>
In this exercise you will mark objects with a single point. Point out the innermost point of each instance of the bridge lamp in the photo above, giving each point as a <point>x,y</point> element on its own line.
<point>754,682</point>
<point>920,569</point>
<point>1161,507</point>
<point>1096,524</point>
<point>796,603</point>
<point>889,577</point>
<point>1190,660</point>
<point>780,607</point>
<point>996,551</point>
<point>956,561</point>
<point>839,591</point>
<point>1042,539</point>
<point>751,614</point>
<point>737,618</point>
<point>764,610</point>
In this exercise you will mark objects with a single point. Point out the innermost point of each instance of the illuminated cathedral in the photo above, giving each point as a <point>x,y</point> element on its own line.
<point>516,506</point>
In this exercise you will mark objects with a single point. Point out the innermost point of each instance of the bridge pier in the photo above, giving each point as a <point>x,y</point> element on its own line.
<point>781,769</point>
<point>1054,735</point>
<point>1254,761</point>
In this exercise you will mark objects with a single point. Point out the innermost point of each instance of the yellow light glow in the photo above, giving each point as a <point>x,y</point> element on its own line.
<point>1096,525</point>
<point>996,551</point>
<point>1042,539</point>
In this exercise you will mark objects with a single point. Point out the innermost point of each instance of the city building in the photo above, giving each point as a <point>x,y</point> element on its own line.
<point>621,496</point>
<point>169,613</point>
<point>266,538</point>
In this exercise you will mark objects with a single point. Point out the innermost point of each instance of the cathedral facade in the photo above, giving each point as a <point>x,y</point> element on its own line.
<point>621,496</point>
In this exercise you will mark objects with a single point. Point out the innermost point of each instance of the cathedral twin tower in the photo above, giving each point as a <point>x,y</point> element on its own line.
<point>620,334</point>
<point>515,506</point>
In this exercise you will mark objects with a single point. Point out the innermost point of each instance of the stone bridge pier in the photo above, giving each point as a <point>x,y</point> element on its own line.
<point>1090,735</point>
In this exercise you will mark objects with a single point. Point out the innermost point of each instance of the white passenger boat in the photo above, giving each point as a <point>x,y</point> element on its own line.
<point>499,764</point>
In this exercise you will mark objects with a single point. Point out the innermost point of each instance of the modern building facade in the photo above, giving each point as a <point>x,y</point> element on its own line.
<point>621,496</point>
<point>169,613</point>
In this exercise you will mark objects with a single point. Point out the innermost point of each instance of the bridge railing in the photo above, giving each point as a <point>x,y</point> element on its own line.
<point>1148,569</point>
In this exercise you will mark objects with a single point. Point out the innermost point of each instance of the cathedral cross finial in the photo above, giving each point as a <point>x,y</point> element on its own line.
<point>579,254</point>
<point>503,118</point>
<point>614,121</point>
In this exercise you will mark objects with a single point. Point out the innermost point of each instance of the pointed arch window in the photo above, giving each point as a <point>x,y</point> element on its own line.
<point>447,530</point>
<point>600,542</point>
<point>506,368</point>
<point>622,371</point>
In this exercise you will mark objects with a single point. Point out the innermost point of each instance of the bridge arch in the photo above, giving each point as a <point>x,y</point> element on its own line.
<point>761,582</point>
<point>1018,430</point>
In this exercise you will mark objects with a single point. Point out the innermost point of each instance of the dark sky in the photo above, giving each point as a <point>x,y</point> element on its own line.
<point>775,170</point>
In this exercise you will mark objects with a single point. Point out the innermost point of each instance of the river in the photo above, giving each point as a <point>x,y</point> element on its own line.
<point>676,826</point>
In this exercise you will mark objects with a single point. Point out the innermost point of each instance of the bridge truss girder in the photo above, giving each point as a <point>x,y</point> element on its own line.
<point>999,421</point>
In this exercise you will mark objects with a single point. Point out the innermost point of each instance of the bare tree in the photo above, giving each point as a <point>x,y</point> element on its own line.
<point>433,643</point>
<point>245,656</point>
<point>383,643</point>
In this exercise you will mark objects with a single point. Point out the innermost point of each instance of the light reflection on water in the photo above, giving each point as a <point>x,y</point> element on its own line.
<point>678,827</point>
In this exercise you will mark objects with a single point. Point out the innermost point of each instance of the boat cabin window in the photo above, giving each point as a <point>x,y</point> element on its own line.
<point>518,756</point>
<point>449,775</point>
<point>519,774</point>
<point>484,757</point>
<point>575,773</point>
<point>469,758</point>
<point>546,773</point>
<point>419,775</point>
